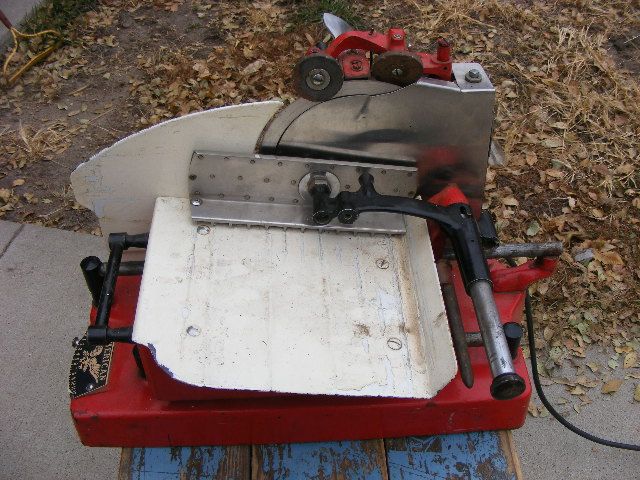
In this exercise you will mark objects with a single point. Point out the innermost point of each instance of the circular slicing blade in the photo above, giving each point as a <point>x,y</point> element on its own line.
<point>318,77</point>
<point>399,68</point>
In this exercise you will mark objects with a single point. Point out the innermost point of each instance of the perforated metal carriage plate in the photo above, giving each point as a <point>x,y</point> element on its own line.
<point>271,190</point>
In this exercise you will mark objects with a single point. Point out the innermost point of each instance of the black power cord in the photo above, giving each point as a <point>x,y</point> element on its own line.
<point>543,398</point>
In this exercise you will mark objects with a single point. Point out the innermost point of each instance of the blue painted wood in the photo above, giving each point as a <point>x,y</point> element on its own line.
<point>187,463</point>
<point>336,460</point>
<point>469,456</point>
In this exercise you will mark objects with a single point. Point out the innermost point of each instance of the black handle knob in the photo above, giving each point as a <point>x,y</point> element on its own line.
<point>513,332</point>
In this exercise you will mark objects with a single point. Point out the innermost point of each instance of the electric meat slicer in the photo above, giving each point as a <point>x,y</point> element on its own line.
<point>319,271</point>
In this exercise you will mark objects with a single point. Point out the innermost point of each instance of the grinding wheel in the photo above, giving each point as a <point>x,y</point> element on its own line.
<point>318,77</point>
<point>399,68</point>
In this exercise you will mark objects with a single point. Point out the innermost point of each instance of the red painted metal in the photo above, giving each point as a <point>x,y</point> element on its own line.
<point>135,411</point>
<point>157,410</point>
<point>355,64</point>
<point>395,40</point>
<point>520,277</point>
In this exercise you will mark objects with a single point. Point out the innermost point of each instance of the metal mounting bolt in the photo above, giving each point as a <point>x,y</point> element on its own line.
<point>199,156</point>
<point>382,263</point>
<point>196,202</point>
<point>193,330</point>
<point>318,79</point>
<point>318,179</point>
<point>397,36</point>
<point>203,229</point>
<point>397,72</point>
<point>473,76</point>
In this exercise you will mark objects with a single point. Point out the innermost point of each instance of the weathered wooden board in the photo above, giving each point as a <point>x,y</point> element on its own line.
<point>353,460</point>
<point>188,463</point>
<point>468,456</point>
<point>293,311</point>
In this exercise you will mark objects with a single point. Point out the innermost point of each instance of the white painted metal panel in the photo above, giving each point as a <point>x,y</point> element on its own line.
<point>293,311</point>
<point>121,183</point>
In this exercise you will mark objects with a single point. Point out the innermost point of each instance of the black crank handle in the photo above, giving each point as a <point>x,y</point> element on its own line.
<point>461,228</point>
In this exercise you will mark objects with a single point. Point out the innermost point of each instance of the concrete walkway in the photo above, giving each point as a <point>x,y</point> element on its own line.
<point>16,11</point>
<point>44,304</point>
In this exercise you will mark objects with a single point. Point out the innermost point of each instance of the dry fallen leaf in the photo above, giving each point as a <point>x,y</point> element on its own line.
<point>577,391</point>
<point>630,360</point>
<point>636,393</point>
<point>254,67</point>
<point>612,386</point>
<point>18,182</point>
<point>533,229</point>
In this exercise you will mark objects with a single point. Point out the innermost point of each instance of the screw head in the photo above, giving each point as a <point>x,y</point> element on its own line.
<point>394,343</point>
<point>193,330</point>
<point>196,202</point>
<point>318,79</point>
<point>473,76</point>
<point>397,72</point>
<point>397,36</point>
<point>203,229</point>
<point>382,263</point>
<point>356,65</point>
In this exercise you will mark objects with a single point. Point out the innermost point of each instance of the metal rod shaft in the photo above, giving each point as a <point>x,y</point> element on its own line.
<point>506,382</point>
<point>455,323</point>
<point>474,339</point>
<point>512,332</point>
<point>126,268</point>
<point>491,328</point>
<point>515,250</point>
<point>108,287</point>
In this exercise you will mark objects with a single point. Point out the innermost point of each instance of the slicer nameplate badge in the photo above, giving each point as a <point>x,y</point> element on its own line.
<point>89,368</point>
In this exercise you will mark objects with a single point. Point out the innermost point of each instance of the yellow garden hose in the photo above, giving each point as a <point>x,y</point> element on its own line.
<point>17,35</point>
